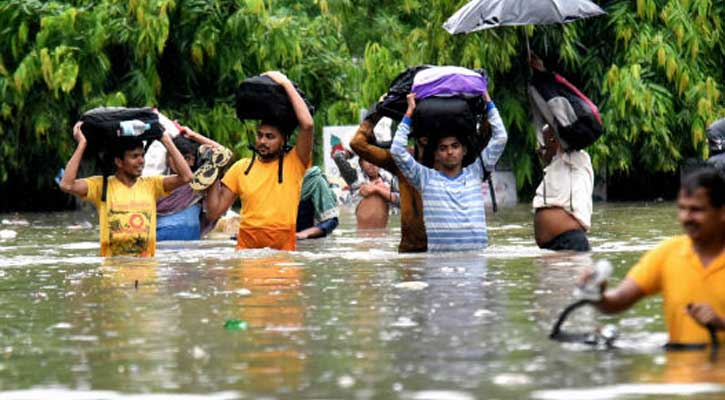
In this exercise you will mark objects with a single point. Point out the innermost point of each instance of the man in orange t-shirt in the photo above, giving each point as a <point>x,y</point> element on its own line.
<point>689,270</point>
<point>269,189</point>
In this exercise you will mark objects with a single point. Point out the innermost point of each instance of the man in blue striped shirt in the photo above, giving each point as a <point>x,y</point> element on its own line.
<point>453,208</point>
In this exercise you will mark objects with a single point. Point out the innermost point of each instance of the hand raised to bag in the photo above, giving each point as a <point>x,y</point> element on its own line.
<point>78,135</point>
<point>411,103</point>
<point>276,76</point>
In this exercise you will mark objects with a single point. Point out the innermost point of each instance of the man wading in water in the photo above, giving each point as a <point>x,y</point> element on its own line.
<point>269,189</point>
<point>128,216</point>
<point>689,269</point>
<point>563,200</point>
<point>453,207</point>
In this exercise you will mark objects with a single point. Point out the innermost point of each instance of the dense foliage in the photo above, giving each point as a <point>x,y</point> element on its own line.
<point>653,66</point>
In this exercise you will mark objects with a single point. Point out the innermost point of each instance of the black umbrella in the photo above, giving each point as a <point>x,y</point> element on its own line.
<point>483,14</point>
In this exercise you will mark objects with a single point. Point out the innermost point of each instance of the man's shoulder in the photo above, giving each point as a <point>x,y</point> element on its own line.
<point>679,243</point>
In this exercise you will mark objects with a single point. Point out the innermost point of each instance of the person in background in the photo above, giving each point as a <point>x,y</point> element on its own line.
<point>563,200</point>
<point>453,205</point>
<point>182,215</point>
<point>374,195</point>
<point>689,270</point>
<point>317,213</point>
<point>128,216</point>
<point>716,144</point>
<point>413,237</point>
<point>269,189</point>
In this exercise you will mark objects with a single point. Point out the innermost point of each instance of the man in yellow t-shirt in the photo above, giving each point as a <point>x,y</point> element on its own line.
<point>128,216</point>
<point>688,270</point>
<point>269,189</point>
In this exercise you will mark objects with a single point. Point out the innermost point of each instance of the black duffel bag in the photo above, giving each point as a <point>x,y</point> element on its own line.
<point>102,126</point>
<point>260,98</point>
<point>395,103</point>
<point>103,129</point>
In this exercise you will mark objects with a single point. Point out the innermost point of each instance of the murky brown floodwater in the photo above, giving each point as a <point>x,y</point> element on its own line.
<point>343,318</point>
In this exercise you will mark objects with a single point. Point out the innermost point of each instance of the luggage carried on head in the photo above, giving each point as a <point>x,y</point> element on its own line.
<point>260,98</point>
<point>104,127</point>
<point>449,81</point>
<point>394,103</point>
<point>716,137</point>
<point>575,119</point>
<point>109,128</point>
<point>449,103</point>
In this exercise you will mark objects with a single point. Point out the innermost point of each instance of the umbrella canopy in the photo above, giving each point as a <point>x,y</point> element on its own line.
<point>483,14</point>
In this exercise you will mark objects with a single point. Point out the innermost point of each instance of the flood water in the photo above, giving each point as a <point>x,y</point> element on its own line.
<point>345,317</point>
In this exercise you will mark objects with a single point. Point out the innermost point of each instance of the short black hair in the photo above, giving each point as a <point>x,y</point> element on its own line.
<point>120,147</point>
<point>186,146</point>
<point>707,178</point>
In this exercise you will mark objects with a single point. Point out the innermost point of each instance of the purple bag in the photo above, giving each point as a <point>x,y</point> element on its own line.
<point>448,81</point>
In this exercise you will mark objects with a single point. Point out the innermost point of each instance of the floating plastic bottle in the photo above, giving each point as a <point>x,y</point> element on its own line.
<point>132,127</point>
<point>591,289</point>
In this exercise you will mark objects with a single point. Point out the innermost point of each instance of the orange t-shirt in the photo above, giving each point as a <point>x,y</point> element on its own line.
<point>269,208</point>
<point>674,269</point>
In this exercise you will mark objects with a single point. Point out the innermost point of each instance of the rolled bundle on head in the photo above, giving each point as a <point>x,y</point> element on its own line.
<point>260,98</point>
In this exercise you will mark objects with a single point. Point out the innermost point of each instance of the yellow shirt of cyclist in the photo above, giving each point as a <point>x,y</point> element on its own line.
<point>674,269</point>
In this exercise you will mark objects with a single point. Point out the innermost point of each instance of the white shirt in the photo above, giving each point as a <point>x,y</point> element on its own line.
<point>568,183</point>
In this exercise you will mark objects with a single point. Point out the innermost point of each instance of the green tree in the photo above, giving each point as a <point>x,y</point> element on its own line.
<point>653,66</point>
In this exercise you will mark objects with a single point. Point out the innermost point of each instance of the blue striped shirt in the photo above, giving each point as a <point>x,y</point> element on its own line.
<point>453,208</point>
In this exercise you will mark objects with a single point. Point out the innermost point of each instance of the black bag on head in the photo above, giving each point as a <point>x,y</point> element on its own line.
<point>260,98</point>
<point>395,103</point>
<point>103,130</point>
<point>575,118</point>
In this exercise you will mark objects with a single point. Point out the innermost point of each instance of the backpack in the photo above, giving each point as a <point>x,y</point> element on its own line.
<point>574,118</point>
<point>102,129</point>
<point>260,98</point>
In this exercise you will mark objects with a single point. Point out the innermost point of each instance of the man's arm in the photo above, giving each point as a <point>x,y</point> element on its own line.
<point>492,152</point>
<point>69,183</point>
<point>307,126</point>
<point>347,172</point>
<point>382,190</point>
<point>218,200</point>
<point>363,143</point>
<point>184,175</point>
<point>322,229</point>
<point>705,315</point>
<point>197,137</point>
<point>619,299</point>
<point>414,172</point>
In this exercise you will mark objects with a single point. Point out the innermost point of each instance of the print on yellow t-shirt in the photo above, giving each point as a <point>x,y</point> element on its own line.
<point>128,216</point>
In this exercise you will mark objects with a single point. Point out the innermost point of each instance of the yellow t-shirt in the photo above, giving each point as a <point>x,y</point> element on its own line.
<point>674,269</point>
<point>269,208</point>
<point>128,216</point>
